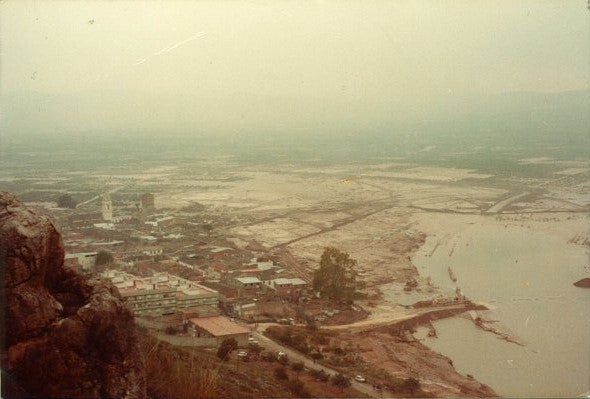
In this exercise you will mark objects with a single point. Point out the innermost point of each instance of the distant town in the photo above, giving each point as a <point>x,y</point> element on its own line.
<point>172,264</point>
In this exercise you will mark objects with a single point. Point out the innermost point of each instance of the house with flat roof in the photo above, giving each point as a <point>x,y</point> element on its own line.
<point>289,288</point>
<point>247,286</point>
<point>86,260</point>
<point>161,293</point>
<point>248,282</point>
<point>152,251</point>
<point>220,328</point>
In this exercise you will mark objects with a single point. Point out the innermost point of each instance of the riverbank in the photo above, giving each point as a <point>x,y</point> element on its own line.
<point>394,350</point>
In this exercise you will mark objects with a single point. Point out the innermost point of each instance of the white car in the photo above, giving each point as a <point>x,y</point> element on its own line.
<point>360,378</point>
<point>242,354</point>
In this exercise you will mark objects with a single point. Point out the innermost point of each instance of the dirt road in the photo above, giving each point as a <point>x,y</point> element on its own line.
<point>339,224</point>
<point>374,322</point>
<point>393,317</point>
<point>309,363</point>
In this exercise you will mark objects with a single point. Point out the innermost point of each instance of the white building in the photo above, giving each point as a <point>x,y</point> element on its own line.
<point>86,260</point>
<point>162,293</point>
<point>152,251</point>
<point>107,207</point>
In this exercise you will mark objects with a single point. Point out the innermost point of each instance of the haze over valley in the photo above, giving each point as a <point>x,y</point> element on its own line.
<point>230,147</point>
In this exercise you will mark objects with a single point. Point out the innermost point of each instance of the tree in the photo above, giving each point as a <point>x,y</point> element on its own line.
<point>103,258</point>
<point>255,348</point>
<point>298,388</point>
<point>315,355</point>
<point>170,330</point>
<point>411,385</point>
<point>66,201</point>
<point>319,374</point>
<point>297,367</point>
<point>310,322</point>
<point>283,360</point>
<point>336,276</point>
<point>269,356</point>
<point>281,373</point>
<point>226,347</point>
<point>341,381</point>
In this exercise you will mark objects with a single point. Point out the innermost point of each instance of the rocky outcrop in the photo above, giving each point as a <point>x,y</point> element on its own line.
<point>64,335</point>
<point>583,283</point>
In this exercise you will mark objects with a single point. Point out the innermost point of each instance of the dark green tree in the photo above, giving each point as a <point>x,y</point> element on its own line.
<point>336,278</point>
<point>103,258</point>
<point>226,347</point>
<point>66,201</point>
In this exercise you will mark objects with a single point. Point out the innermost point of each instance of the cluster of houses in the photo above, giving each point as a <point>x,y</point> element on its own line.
<point>170,264</point>
<point>263,276</point>
<point>164,293</point>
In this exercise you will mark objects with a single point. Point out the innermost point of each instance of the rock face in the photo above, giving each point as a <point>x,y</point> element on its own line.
<point>583,283</point>
<point>64,335</point>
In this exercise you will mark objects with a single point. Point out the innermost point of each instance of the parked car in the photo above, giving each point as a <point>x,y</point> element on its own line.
<point>360,378</point>
<point>242,354</point>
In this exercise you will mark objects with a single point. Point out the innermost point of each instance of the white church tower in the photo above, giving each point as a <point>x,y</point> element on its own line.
<point>107,207</point>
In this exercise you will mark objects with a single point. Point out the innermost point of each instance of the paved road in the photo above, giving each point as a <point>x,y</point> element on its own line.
<point>309,363</point>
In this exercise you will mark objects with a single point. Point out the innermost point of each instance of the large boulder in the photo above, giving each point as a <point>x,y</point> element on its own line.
<point>64,335</point>
<point>583,283</point>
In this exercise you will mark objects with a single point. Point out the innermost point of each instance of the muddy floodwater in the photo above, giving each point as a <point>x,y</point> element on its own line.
<point>526,276</point>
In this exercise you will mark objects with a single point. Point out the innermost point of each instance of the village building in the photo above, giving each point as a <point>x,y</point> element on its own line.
<point>113,243</point>
<point>247,285</point>
<point>163,221</point>
<point>152,251</point>
<point>162,293</point>
<point>288,288</point>
<point>261,265</point>
<point>220,328</point>
<point>246,311</point>
<point>107,207</point>
<point>85,260</point>
<point>121,218</point>
<point>80,220</point>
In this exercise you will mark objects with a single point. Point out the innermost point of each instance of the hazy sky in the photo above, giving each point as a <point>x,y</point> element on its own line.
<point>273,66</point>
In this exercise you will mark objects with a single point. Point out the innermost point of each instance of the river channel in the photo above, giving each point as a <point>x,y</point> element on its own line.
<point>526,276</point>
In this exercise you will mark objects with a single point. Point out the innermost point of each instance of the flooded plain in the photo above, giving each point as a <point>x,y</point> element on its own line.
<point>525,275</point>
